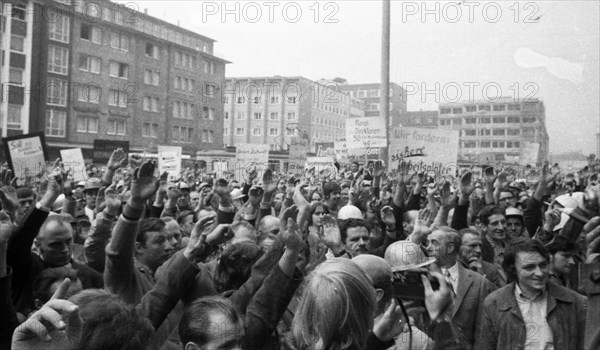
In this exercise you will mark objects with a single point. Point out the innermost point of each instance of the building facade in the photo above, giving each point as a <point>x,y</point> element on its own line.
<point>370,94</point>
<point>494,132</point>
<point>420,119</point>
<point>281,111</point>
<point>100,70</point>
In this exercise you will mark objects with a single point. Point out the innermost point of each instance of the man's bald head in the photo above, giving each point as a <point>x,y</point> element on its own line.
<point>269,225</point>
<point>380,273</point>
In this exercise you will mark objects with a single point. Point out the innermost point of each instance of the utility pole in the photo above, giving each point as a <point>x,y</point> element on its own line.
<point>385,72</point>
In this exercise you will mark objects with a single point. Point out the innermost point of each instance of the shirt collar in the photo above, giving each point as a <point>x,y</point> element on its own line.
<point>519,294</point>
<point>453,270</point>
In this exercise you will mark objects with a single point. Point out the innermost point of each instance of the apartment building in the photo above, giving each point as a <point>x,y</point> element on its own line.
<point>370,94</point>
<point>280,111</point>
<point>497,129</point>
<point>101,70</point>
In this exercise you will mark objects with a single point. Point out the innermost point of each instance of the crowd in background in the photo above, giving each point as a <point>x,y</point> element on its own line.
<point>364,257</point>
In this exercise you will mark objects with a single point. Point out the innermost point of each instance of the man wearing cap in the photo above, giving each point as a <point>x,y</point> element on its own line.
<point>514,224</point>
<point>470,288</point>
<point>90,191</point>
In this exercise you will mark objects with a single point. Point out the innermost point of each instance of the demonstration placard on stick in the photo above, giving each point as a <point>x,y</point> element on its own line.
<point>368,132</point>
<point>250,156</point>
<point>322,166</point>
<point>297,153</point>
<point>431,151</point>
<point>529,152</point>
<point>26,154</point>
<point>73,160</point>
<point>169,160</point>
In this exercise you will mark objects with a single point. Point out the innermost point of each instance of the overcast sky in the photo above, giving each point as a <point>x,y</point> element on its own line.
<point>544,49</point>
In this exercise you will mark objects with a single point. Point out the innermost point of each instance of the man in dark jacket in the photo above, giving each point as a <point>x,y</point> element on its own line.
<point>532,312</point>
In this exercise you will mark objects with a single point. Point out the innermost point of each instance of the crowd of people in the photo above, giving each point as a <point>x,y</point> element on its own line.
<point>360,258</point>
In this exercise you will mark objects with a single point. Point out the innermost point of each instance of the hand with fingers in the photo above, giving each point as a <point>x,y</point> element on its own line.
<point>446,197</point>
<point>255,195</point>
<point>269,185</point>
<point>436,301</point>
<point>592,239</point>
<point>289,213</point>
<point>422,227</point>
<point>388,218</point>
<point>112,203</point>
<point>197,242</point>
<point>57,325</point>
<point>299,199</point>
<point>118,159</point>
<point>143,184</point>
<point>330,234</point>
<point>389,325</point>
<point>9,199</point>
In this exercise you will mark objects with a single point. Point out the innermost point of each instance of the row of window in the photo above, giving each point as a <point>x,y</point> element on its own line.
<point>492,144</point>
<point>481,107</point>
<point>258,100</point>
<point>327,122</point>
<point>495,132</point>
<point>258,131</point>
<point>369,93</point>
<point>488,120</point>
<point>56,124</point>
<point>259,116</point>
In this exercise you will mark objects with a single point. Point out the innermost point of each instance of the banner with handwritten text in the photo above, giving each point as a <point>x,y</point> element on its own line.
<point>169,160</point>
<point>365,132</point>
<point>432,151</point>
<point>249,156</point>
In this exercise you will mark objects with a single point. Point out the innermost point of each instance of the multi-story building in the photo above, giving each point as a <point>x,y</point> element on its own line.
<point>282,110</point>
<point>16,40</point>
<point>100,70</point>
<point>598,146</point>
<point>420,119</point>
<point>496,129</point>
<point>370,95</point>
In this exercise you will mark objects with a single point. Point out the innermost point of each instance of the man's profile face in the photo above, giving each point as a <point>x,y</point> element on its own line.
<point>358,241</point>
<point>56,244</point>
<point>437,246</point>
<point>532,270</point>
<point>561,262</point>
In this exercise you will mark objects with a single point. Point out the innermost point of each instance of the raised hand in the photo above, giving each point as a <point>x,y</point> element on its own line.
<point>446,197</point>
<point>422,226</point>
<point>330,234</point>
<point>117,160</point>
<point>143,184</point>
<point>255,195</point>
<point>268,184</point>
<point>292,237</point>
<point>387,217</point>
<point>298,197</point>
<point>289,213</point>
<point>196,244</point>
<point>112,201</point>
<point>57,325</point>
<point>9,199</point>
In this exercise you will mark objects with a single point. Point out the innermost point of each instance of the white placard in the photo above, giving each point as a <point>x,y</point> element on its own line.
<point>169,160</point>
<point>529,152</point>
<point>432,151</point>
<point>73,160</point>
<point>365,132</point>
<point>248,156</point>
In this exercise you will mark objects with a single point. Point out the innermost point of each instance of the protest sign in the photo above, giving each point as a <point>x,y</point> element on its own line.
<point>169,160</point>
<point>365,132</point>
<point>297,154</point>
<point>341,150</point>
<point>104,148</point>
<point>325,149</point>
<point>26,154</point>
<point>250,156</point>
<point>323,166</point>
<point>529,152</point>
<point>73,161</point>
<point>432,151</point>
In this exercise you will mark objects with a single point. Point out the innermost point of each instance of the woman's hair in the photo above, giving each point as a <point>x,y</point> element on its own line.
<point>314,208</point>
<point>336,308</point>
<point>110,323</point>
